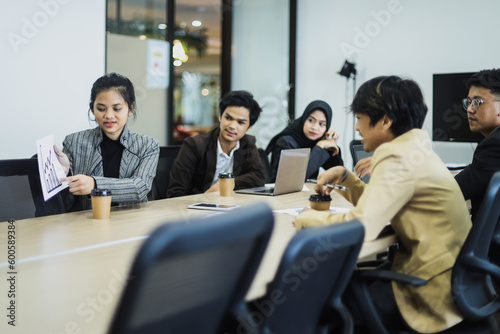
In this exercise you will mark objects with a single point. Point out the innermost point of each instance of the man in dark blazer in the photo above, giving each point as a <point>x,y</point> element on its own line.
<point>226,148</point>
<point>483,112</point>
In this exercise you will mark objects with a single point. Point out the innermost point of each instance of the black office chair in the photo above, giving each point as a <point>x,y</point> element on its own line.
<point>358,153</point>
<point>266,163</point>
<point>22,195</point>
<point>188,275</point>
<point>475,276</point>
<point>305,295</point>
<point>162,178</point>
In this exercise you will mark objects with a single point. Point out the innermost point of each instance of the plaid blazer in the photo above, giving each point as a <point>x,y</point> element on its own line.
<point>137,167</point>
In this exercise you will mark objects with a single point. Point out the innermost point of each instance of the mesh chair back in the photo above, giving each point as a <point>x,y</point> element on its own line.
<point>22,195</point>
<point>186,276</point>
<point>476,279</point>
<point>310,280</point>
<point>168,154</point>
<point>266,164</point>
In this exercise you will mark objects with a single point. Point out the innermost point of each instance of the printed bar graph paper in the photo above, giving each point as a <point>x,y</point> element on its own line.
<point>50,169</point>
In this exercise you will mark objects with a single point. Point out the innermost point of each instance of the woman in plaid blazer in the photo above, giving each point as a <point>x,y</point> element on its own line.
<point>109,156</point>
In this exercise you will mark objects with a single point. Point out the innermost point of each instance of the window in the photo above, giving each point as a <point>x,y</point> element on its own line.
<point>138,47</point>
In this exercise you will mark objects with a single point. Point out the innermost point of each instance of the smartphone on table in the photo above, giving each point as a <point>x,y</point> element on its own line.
<point>213,206</point>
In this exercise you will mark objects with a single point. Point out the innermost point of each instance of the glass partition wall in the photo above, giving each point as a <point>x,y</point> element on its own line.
<point>175,98</point>
<point>182,55</point>
<point>263,61</point>
<point>197,66</point>
<point>136,47</point>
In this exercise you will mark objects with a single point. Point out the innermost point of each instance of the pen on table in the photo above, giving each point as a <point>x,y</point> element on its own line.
<point>334,186</point>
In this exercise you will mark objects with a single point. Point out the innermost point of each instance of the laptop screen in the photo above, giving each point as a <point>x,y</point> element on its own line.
<point>292,170</point>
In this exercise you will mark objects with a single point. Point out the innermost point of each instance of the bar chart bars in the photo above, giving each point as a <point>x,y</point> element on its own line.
<point>49,172</point>
<point>49,168</point>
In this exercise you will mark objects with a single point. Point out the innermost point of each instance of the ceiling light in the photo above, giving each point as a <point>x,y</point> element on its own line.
<point>196,23</point>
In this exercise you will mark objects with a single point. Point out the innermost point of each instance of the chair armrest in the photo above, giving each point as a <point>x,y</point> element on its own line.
<point>338,308</point>
<point>239,315</point>
<point>496,240</point>
<point>383,258</point>
<point>382,255</point>
<point>483,265</point>
<point>359,288</point>
<point>370,264</point>
<point>387,275</point>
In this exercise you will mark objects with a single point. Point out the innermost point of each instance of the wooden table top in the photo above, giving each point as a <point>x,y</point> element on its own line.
<point>70,268</point>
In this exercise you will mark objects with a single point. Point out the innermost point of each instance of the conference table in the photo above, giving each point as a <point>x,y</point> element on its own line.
<point>70,269</point>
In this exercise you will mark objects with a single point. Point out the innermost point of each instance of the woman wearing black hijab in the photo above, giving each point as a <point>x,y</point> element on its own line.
<point>311,130</point>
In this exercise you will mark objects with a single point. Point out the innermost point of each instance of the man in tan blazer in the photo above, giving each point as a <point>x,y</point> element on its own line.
<point>411,188</point>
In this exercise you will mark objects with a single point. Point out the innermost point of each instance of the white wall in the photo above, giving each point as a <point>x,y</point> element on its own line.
<point>51,53</point>
<point>409,38</point>
<point>46,79</point>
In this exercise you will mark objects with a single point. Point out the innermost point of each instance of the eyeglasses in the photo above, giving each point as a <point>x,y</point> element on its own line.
<point>475,103</point>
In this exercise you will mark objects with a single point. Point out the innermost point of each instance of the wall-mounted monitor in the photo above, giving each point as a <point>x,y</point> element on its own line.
<point>449,119</point>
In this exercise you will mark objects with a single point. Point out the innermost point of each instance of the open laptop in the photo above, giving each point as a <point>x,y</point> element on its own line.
<point>291,174</point>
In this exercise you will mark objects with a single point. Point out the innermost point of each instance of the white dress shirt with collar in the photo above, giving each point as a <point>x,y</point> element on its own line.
<point>224,162</point>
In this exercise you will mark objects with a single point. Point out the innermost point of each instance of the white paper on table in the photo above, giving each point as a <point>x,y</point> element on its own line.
<point>49,168</point>
<point>296,211</point>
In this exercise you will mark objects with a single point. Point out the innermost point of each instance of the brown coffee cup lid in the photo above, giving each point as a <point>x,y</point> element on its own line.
<point>320,198</point>
<point>226,176</point>
<point>100,192</point>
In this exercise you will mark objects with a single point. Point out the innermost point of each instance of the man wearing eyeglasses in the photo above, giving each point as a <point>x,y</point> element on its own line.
<point>483,113</point>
